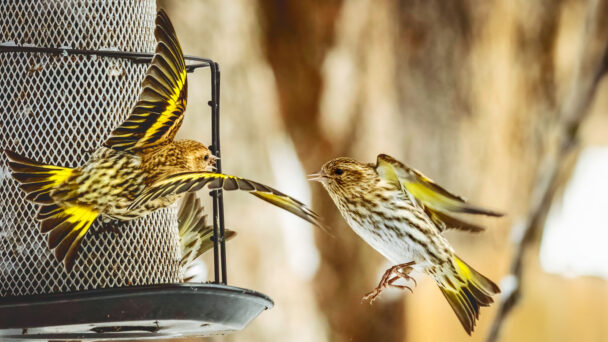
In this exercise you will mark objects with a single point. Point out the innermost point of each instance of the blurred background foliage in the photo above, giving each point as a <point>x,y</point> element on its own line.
<point>492,99</point>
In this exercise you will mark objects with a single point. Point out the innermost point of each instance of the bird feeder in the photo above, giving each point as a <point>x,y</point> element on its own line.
<point>70,71</point>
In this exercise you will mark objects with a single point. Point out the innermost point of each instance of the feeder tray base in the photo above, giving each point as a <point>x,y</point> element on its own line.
<point>141,312</point>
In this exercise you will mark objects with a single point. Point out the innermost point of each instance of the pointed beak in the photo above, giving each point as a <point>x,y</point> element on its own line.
<point>317,177</point>
<point>212,163</point>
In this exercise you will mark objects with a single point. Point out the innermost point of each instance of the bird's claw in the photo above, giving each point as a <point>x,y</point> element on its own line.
<point>397,286</point>
<point>387,280</point>
<point>404,272</point>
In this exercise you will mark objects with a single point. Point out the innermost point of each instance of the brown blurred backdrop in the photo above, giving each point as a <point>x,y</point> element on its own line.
<point>479,95</point>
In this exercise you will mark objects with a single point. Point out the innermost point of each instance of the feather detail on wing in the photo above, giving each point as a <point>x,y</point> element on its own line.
<point>195,235</point>
<point>158,113</point>
<point>183,182</point>
<point>444,221</point>
<point>433,197</point>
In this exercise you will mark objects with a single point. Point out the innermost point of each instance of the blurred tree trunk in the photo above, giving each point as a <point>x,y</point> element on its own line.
<point>297,37</point>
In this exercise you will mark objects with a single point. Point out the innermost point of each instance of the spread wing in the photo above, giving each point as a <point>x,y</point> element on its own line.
<point>194,233</point>
<point>159,111</point>
<point>437,201</point>
<point>190,181</point>
<point>444,221</point>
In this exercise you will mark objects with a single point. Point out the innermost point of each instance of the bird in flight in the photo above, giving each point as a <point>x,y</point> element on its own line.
<point>401,213</point>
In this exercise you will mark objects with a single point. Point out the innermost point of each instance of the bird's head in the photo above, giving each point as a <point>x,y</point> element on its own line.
<point>342,175</point>
<point>200,157</point>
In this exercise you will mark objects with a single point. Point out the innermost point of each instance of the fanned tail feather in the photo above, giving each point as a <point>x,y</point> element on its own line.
<point>37,180</point>
<point>66,227</point>
<point>467,291</point>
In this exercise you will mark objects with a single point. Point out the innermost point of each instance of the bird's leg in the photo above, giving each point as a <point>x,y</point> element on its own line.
<point>371,296</point>
<point>404,272</point>
<point>401,271</point>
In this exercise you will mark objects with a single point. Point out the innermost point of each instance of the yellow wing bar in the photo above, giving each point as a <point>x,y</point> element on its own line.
<point>195,180</point>
<point>424,190</point>
<point>158,113</point>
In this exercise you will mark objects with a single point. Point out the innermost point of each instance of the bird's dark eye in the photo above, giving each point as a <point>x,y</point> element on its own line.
<point>339,172</point>
<point>206,157</point>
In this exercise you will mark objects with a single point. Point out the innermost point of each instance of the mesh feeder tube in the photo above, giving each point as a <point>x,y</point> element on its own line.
<point>58,108</point>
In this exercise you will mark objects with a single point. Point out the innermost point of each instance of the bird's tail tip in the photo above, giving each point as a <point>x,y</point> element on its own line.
<point>37,180</point>
<point>466,292</point>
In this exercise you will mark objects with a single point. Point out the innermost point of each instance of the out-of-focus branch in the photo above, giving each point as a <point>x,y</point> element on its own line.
<point>547,186</point>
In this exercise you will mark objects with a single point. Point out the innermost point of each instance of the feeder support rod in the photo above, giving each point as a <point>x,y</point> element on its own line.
<point>219,243</point>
